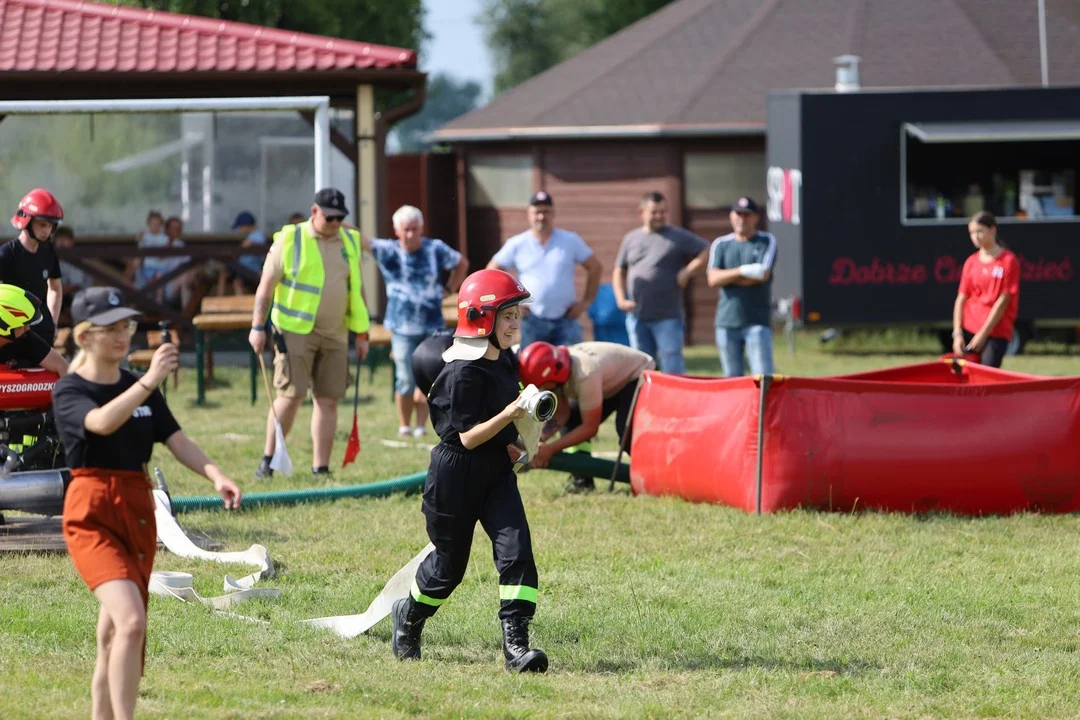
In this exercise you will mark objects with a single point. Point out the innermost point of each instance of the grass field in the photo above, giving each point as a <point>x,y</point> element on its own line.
<point>648,607</point>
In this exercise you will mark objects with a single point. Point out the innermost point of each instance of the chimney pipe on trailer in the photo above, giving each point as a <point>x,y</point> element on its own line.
<point>847,73</point>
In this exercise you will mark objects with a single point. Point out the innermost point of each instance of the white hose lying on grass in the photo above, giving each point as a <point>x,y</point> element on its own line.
<point>396,588</point>
<point>180,584</point>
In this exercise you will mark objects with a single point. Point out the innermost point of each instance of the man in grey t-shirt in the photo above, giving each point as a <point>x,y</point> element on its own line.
<point>741,264</point>
<point>652,269</point>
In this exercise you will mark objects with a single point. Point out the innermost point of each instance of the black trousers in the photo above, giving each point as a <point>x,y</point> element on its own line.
<point>464,488</point>
<point>619,403</point>
<point>993,351</point>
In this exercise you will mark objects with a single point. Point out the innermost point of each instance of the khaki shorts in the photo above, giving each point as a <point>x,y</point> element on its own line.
<point>312,362</point>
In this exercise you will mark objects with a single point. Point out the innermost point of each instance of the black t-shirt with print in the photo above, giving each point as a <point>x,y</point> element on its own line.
<point>128,448</point>
<point>467,393</point>
<point>32,271</point>
<point>26,351</point>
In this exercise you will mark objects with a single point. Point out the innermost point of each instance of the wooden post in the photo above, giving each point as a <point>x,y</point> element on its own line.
<point>367,187</point>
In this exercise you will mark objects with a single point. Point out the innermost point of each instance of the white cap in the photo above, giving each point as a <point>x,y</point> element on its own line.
<point>466,348</point>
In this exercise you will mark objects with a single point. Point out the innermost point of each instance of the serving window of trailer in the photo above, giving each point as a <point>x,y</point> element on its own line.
<point>1019,171</point>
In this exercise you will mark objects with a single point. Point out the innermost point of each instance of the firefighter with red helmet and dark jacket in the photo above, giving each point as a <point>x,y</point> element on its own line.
<point>591,380</point>
<point>474,402</point>
<point>30,260</point>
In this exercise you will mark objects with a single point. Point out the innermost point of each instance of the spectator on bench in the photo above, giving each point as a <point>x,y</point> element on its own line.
<point>253,237</point>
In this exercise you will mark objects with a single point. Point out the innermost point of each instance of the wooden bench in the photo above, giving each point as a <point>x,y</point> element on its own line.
<point>221,315</point>
<point>140,359</point>
<point>232,313</point>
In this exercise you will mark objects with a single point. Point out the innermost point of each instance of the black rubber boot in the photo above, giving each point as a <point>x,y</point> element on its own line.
<point>519,656</point>
<point>581,484</point>
<point>407,628</point>
<point>264,471</point>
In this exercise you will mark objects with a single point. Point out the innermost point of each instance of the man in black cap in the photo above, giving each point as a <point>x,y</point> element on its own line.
<point>311,288</point>
<point>741,264</point>
<point>544,258</point>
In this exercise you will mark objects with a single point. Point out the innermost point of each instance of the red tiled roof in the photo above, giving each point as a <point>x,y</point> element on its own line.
<point>70,35</point>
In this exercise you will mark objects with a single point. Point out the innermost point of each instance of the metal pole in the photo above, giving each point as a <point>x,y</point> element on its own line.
<point>322,146</point>
<point>185,188</point>
<point>766,380</point>
<point>626,430</point>
<point>262,185</point>
<point>64,107</point>
<point>1042,43</point>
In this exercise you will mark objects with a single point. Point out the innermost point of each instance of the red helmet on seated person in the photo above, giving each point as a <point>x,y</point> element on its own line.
<point>541,363</point>
<point>38,204</point>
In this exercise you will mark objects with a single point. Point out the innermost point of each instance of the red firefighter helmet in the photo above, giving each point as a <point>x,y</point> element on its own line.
<point>541,363</point>
<point>481,297</point>
<point>38,203</point>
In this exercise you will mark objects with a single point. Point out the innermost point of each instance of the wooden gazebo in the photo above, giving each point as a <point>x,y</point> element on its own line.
<point>76,50</point>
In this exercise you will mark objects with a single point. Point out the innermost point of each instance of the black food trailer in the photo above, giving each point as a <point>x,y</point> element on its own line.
<point>870,192</point>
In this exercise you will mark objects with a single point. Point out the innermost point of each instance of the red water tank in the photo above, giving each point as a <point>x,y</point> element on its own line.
<point>29,389</point>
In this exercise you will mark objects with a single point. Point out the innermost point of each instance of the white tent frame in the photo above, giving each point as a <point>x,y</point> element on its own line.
<point>319,104</point>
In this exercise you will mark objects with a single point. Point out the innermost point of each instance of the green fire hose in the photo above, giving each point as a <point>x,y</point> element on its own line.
<point>566,462</point>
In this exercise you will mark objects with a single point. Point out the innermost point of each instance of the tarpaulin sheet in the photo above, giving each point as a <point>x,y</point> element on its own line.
<point>927,437</point>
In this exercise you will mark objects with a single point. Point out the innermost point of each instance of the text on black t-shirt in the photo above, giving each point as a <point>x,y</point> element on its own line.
<point>130,447</point>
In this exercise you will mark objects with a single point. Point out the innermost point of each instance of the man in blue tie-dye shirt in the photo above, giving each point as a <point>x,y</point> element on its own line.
<point>414,269</point>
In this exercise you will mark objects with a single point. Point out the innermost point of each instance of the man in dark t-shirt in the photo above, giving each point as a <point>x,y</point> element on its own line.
<point>654,265</point>
<point>30,261</point>
<point>741,265</point>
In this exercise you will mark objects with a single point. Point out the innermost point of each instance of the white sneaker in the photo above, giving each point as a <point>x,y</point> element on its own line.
<point>403,431</point>
<point>419,432</point>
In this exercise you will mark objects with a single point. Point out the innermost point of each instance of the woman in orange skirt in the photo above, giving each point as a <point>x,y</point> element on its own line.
<point>108,420</point>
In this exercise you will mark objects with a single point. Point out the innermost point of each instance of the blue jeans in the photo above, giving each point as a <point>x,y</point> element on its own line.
<point>562,331</point>
<point>403,346</point>
<point>753,340</point>
<point>662,339</point>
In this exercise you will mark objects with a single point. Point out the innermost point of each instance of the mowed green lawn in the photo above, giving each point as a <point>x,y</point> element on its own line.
<point>648,607</point>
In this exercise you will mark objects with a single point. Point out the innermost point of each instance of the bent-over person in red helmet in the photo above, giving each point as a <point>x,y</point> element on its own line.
<point>30,261</point>
<point>471,479</point>
<point>591,380</point>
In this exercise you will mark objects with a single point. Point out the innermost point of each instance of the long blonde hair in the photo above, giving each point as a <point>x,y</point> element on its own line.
<point>80,356</point>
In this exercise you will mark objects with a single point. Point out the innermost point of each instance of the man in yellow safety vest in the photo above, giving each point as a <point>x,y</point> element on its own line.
<point>311,287</point>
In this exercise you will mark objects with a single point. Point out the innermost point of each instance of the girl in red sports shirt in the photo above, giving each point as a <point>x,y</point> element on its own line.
<point>985,310</point>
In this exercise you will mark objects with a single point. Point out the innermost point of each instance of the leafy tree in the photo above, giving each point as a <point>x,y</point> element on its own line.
<point>527,37</point>
<point>447,98</point>
<point>398,23</point>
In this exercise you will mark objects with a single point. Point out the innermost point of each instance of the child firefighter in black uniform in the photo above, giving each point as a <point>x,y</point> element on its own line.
<point>473,407</point>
